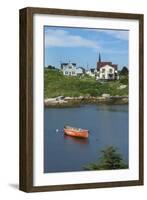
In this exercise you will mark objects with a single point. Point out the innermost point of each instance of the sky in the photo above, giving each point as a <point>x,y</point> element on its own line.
<point>82,46</point>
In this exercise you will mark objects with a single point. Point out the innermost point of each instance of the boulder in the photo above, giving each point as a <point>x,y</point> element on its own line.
<point>122,87</point>
<point>60,98</point>
<point>68,98</point>
<point>106,95</point>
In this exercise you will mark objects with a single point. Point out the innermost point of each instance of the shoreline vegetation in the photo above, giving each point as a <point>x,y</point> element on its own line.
<point>64,91</point>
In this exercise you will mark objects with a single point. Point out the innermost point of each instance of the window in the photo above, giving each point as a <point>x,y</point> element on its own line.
<point>111,76</point>
<point>103,70</point>
<point>73,72</point>
<point>110,71</point>
<point>66,72</point>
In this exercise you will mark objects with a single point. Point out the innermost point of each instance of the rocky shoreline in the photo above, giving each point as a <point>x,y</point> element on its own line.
<point>61,101</point>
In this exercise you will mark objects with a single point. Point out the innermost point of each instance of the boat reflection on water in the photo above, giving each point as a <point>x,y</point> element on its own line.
<point>76,140</point>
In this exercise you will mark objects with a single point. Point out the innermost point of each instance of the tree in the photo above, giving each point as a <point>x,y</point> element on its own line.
<point>50,67</point>
<point>124,71</point>
<point>110,159</point>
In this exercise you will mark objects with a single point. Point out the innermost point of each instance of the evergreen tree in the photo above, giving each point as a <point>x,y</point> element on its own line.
<point>124,71</point>
<point>110,159</point>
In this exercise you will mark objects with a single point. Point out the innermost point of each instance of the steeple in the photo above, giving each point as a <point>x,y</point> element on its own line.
<point>99,58</point>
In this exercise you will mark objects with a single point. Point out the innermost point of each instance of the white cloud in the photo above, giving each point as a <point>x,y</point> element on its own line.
<point>62,38</point>
<point>115,52</point>
<point>120,34</point>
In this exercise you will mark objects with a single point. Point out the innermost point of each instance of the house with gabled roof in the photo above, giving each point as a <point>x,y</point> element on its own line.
<point>69,69</point>
<point>106,70</point>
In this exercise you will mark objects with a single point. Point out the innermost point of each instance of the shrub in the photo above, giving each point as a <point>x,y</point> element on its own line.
<point>124,80</point>
<point>110,159</point>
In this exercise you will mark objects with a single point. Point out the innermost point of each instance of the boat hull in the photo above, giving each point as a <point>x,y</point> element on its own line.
<point>74,133</point>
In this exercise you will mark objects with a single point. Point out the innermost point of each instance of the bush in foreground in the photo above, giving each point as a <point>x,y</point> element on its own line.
<point>110,159</point>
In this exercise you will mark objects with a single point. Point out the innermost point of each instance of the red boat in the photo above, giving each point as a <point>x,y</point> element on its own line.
<point>75,132</point>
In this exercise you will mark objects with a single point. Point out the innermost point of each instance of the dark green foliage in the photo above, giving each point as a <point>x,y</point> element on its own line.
<point>124,71</point>
<point>110,159</point>
<point>50,67</point>
<point>124,80</point>
<point>124,76</point>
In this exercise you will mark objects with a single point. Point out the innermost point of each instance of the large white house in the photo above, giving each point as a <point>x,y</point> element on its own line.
<point>106,70</point>
<point>70,69</point>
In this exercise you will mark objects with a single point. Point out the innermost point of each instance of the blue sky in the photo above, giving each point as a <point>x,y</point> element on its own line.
<point>82,46</point>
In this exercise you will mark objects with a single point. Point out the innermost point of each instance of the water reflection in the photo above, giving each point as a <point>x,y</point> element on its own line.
<point>81,141</point>
<point>113,108</point>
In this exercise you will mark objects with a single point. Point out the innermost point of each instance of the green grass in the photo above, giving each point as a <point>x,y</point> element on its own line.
<point>56,84</point>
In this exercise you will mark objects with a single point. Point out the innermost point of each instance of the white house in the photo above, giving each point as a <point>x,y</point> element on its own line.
<point>69,69</point>
<point>106,70</point>
<point>91,72</point>
<point>80,71</point>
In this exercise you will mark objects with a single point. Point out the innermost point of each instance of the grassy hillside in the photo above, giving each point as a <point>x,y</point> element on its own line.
<point>55,84</point>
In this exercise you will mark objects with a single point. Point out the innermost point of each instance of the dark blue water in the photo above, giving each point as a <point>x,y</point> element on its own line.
<point>108,125</point>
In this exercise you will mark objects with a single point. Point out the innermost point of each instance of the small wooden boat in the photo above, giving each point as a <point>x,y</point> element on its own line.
<point>75,132</point>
